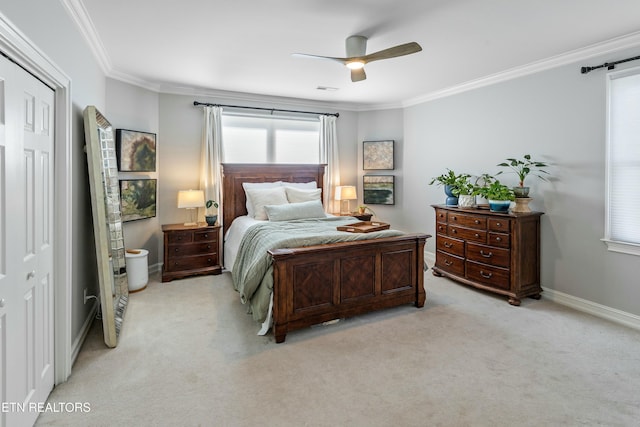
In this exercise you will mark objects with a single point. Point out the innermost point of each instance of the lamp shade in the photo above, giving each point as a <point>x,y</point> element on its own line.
<point>190,199</point>
<point>346,192</point>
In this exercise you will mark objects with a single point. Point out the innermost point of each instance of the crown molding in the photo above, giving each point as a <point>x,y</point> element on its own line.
<point>79,14</point>
<point>613,45</point>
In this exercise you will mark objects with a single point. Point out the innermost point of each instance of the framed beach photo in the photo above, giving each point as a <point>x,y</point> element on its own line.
<point>377,155</point>
<point>378,189</point>
<point>138,199</point>
<point>136,151</point>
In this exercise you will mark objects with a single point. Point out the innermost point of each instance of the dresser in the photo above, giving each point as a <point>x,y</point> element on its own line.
<point>498,252</point>
<point>190,250</point>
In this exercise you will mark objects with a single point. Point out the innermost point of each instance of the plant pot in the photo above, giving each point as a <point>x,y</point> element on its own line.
<point>211,219</point>
<point>452,200</point>
<point>466,201</point>
<point>499,205</point>
<point>521,191</point>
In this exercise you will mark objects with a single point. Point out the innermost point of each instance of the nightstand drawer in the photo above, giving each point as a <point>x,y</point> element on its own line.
<point>192,262</point>
<point>206,236</point>
<point>193,249</point>
<point>449,245</point>
<point>488,255</point>
<point>181,237</point>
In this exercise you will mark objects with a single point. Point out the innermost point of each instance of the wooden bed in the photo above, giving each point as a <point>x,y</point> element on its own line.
<point>315,284</point>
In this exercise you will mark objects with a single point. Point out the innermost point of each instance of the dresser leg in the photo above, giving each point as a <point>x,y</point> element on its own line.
<point>514,301</point>
<point>435,273</point>
<point>536,296</point>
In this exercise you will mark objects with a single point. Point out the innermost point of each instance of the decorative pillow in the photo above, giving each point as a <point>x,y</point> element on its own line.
<point>291,211</point>
<point>308,185</point>
<point>257,185</point>
<point>298,195</point>
<point>265,196</point>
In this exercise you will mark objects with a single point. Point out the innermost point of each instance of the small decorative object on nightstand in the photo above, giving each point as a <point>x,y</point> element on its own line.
<point>190,250</point>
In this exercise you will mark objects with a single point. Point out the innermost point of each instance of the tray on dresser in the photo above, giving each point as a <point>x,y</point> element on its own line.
<point>364,227</point>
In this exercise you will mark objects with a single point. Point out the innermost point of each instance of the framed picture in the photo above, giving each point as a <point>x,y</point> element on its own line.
<point>138,198</point>
<point>136,151</point>
<point>377,155</point>
<point>378,189</point>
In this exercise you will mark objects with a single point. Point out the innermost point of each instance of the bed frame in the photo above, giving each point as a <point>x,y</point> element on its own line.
<point>315,284</point>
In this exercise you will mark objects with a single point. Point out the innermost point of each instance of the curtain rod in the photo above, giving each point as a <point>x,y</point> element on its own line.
<point>609,65</point>
<point>196,103</point>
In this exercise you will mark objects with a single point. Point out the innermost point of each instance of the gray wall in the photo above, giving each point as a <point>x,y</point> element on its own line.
<point>66,48</point>
<point>135,108</point>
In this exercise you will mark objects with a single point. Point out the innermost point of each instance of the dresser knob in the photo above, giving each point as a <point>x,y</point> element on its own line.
<point>498,239</point>
<point>447,262</point>
<point>177,249</point>
<point>209,260</point>
<point>206,235</point>
<point>208,246</point>
<point>498,224</point>
<point>476,235</point>
<point>454,231</point>
<point>476,221</point>
<point>455,218</point>
<point>447,245</point>
<point>489,255</point>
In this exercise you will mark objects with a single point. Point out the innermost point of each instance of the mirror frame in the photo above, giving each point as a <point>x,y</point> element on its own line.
<point>107,222</point>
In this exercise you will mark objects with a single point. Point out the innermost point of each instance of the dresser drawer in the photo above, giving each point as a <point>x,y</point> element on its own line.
<point>479,236</point>
<point>192,262</point>
<point>488,255</point>
<point>176,251</point>
<point>441,216</point>
<point>441,228</point>
<point>449,245</point>
<point>499,239</point>
<point>180,237</point>
<point>450,263</point>
<point>469,221</point>
<point>495,277</point>
<point>499,224</point>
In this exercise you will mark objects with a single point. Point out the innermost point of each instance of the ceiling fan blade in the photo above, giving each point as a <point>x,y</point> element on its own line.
<point>392,52</point>
<point>331,58</point>
<point>358,75</point>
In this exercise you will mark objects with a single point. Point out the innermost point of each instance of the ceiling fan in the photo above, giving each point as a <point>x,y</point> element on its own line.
<point>356,47</point>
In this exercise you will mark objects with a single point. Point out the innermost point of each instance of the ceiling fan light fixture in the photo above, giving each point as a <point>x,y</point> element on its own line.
<point>355,65</point>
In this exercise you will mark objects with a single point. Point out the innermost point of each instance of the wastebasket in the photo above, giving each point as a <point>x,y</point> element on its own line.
<point>137,269</point>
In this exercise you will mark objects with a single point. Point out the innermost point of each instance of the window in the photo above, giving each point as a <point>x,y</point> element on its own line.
<point>622,228</point>
<point>257,139</point>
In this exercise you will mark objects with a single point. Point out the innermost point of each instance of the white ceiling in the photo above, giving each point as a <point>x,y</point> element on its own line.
<point>245,46</point>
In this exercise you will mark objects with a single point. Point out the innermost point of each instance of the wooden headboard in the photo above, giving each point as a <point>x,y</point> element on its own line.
<point>234,174</point>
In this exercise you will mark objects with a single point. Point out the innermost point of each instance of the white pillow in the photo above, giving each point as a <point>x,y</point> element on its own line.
<point>298,195</point>
<point>291,211</point>
<point>265,196</point>
<point>255,185</point>
<point>307,185</point>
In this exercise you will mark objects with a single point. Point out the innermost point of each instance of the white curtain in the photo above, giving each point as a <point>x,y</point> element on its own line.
<point>329,155</point>
<point>211,158</point>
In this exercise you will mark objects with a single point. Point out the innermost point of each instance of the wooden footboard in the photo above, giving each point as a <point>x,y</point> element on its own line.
<point>316,284</point>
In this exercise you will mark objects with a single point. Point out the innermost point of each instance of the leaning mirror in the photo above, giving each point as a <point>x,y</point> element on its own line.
<point>107,222</point>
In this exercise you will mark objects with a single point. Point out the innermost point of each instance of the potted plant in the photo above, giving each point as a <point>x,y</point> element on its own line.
<point>450,180</point>
<point>362,209</point>
<point>497,194</point>
<point>209,215</point>
<point>523,167</point>
<point>464,189</point>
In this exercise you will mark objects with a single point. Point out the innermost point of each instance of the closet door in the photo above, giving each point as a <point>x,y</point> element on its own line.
<point>26,246</point>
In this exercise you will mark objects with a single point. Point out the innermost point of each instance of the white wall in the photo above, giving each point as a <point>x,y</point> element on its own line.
<point>557,116</point>
<point>66,48</point>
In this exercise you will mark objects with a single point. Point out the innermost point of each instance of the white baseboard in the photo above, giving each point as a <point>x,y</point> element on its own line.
<point>586,306</point>
<point>155,267</point>
<point>77,343</point>
<point>598,310</point>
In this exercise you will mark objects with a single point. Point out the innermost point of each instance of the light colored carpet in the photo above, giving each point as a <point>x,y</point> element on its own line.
<point>188,356</point>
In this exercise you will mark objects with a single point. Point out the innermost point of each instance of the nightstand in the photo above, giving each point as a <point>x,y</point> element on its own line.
<point>190,250</point>
<point>361,217</point>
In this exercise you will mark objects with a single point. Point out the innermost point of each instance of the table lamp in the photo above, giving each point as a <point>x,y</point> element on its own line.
<point>346,192</point>
<point>191,200</point>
